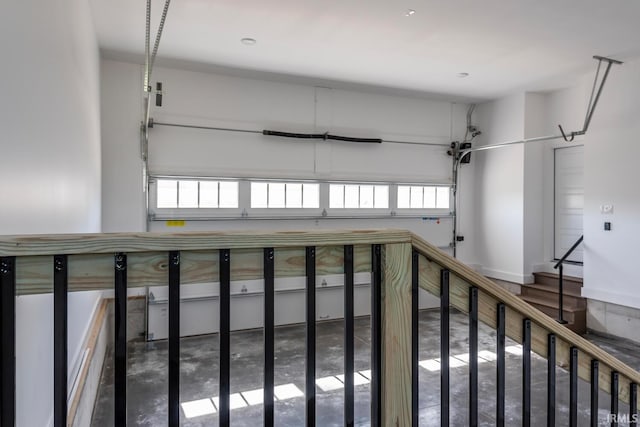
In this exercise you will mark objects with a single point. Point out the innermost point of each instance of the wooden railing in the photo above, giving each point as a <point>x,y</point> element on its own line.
<point>399,261</point>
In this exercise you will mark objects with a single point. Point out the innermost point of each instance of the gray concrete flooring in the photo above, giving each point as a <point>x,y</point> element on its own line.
<point>147,378</point>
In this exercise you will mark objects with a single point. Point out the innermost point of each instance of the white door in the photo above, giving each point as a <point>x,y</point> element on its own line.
<point>569,200</point>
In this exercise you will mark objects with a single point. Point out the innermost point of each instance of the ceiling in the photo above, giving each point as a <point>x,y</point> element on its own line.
<point>504,45</point>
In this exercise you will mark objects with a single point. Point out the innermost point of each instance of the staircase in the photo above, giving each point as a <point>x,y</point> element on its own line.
<point>543,295</point>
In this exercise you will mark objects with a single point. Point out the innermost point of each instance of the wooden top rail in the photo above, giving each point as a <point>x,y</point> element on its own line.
<point>513,302</point>
<point>67,244</point>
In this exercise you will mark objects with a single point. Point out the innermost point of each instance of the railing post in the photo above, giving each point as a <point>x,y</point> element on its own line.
<point>60,285</point>
<point>396,335</point>
<point>526,373</point>
<point>376,335</point>
<point>310,351</point>
<point>633,405</point>
<point>269,348</point>
<point>415,333</point>
<point>174,339</point>
<point>120,338</point>
<point>500,364</point>
<point>573,387</point>
<point>473,356</point>
<point>560,295</point>
<point>445,374</point>
<point>594,392</point>
<point>8,341</point>
<point>348,337</point>
<point>615,379</point>
<point>225,337</point>
<point>551,380</point>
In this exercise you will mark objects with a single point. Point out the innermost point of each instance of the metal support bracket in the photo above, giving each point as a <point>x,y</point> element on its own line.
<point>595,96</point>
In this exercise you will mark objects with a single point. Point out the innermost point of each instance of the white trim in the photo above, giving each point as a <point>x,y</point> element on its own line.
<point>78,357</point>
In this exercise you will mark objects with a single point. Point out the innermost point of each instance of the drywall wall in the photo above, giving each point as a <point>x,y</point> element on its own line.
<point>515,184</point>
<point>123,207</point>
<point>533,185</point>
<point>611,177</point>
<point>50,163</point>
<point>499,184</point>
<point>50,119</point>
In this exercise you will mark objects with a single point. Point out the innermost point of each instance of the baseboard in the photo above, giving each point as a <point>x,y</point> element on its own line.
<point>86,387</point>
<point>76,361</point>
<point>507,276</point>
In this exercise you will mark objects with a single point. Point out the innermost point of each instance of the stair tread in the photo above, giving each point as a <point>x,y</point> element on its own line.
<point>555,276</point>
<point>552,289</point>
<point>577,326</point>
<point>550,304</point>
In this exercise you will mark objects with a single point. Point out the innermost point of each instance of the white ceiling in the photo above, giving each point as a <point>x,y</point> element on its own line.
<point>504,45</point>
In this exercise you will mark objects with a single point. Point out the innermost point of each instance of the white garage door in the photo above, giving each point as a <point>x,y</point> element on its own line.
<point>569,200</point>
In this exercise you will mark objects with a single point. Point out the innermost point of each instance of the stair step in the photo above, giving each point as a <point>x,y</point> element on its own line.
<point>552,289</point>
<point>552,305</point>
<point>570,283</point>
<point>551,293</point>
<point>577,317</point>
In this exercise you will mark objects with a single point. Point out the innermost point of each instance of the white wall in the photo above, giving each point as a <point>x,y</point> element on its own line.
<point>515,185</point>
<point>50,162</point>
<point>499,184</point>
<point>123,207</point>
<point>50,120</point>
<point>612,176</point>
<point>533,185</point>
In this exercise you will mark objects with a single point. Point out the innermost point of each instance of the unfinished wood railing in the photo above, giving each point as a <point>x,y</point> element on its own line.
<point>399,262</point>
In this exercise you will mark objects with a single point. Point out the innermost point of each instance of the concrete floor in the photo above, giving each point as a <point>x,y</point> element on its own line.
<point>147,379</point>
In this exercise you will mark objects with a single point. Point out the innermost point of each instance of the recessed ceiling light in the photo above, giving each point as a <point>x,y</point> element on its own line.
<point>463,75</point>
<point>248,41</point>
<point>410,12</point>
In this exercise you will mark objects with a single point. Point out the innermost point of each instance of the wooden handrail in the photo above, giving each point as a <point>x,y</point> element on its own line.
<point>519,310</point>
<point>63,244</point>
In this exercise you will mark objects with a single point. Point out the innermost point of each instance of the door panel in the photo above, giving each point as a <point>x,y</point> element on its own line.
<point>569,200</point>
